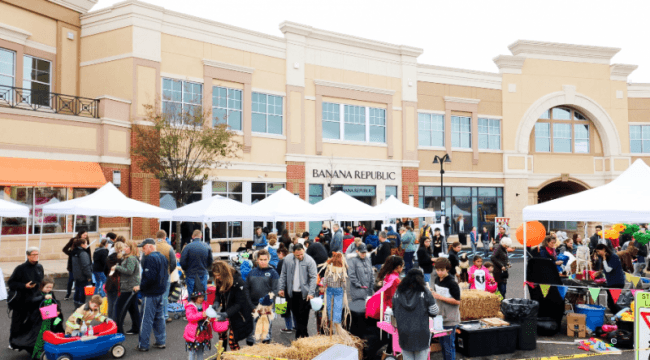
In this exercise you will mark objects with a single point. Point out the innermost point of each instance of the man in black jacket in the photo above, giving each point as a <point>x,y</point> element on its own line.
<point>24,285</point>
<point>155,276</point>
<point>382,252</point>
<point>318,252</point>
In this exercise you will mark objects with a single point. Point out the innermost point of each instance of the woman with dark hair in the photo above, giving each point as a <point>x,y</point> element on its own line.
<point>613,269</point>
<point>129,271</point>
<point>413,304</point>
<point>99,263</point>
<point>547,250</point>
<point>234,303</point>
<point>67,249</point>
<point>501,264</point>
<point>388,277</point>
<point>453,251</point>
<point>425,261</point>
<point>82,269</point>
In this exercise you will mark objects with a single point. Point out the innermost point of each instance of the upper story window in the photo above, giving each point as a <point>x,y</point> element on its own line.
<point>431,130</point>
<point>37,80</point>
<point>354,123</point>
<point>227,107</point>
<point>489,134</point>
<point>7,68</point>
<point>461,132</point>
<point>267,114</point>
<point>640,139</point>
<point>181,100</point>
<point>562,130</point>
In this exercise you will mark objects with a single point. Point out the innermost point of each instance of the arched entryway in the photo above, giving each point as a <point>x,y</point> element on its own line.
<point>558,189</point>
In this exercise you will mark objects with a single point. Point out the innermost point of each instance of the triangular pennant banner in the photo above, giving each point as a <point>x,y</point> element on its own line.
<point>615,294</point>
<point>635,280</point>
<point>544,289</point>
<point>562,290</point>
<point>529,283</point>
<point>628,277</point>
<point>633,292</point>
<point>594,293</point>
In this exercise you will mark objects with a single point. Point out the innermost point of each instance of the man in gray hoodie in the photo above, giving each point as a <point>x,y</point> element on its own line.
<point>298,284</point>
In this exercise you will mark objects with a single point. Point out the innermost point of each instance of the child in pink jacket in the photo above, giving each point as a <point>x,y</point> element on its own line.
<point>198,332</point>
<point>480,277</point>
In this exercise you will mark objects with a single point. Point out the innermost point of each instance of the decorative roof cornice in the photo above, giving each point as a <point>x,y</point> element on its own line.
<point>455,76</point>
<point>345,39</point>
<point>80,6</point>
<point>227,66</point>
<point>509,64</point>
<point>461,100</point>
<point>14,34</point>
<point>563,52</point>
<point>354,87</point>
<point>638,90</point>
<point>620,72</point>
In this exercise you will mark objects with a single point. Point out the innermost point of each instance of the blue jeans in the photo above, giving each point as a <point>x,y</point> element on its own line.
<point>100,279</point>
<point>427,279</point>
<point>486,250</point>
<point>195,355</point>
<point>190,284</point>
<point>112,299</point>
<point>408,260</point>
<point>448,344</point>
<point>152,317</point>
<point>165,300</point>
<point>289,321</point>
<point>79,292</point>
<point>378,267</point>
<point>335,313</point>
<point>473,247</point>
<point>70,282</point>
<point>251,338</point>
<point>502,289</point>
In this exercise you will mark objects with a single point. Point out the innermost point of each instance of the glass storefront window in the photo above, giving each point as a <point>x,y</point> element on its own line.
<point>477,205</point>
<point>232,190</point>
<point>89,223</point>
<point>391,191</point>
<point>315,195</point>
<point>19,195</point>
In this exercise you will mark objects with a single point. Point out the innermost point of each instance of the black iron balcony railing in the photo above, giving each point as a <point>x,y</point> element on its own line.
<point>46,101</point>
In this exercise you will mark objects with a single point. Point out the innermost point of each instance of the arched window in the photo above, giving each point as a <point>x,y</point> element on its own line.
<point>563,130</point>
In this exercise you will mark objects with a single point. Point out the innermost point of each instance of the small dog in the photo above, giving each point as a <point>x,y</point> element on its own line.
<point>627,256</point>
<point>461,269</point>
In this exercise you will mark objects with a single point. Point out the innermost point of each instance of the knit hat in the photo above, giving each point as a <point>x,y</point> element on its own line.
<point>198,288</point>
<point>266,300</point>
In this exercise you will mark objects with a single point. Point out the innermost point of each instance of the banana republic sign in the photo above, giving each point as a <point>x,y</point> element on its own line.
<point>347,174</point>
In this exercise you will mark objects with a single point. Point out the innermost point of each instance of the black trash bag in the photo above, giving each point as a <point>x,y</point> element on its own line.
<point>625,299</point>
<point>519,309</point>
<point>547,327</point>
<point>621,339</point>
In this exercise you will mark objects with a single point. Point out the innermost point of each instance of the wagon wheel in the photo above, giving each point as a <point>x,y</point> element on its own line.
<point>118,351</point>
<point>43,357</point>
<point>64,357</point>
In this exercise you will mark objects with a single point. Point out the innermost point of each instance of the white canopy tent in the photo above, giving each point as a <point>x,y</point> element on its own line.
<point>12,210</point>
<point>397,209</point>
<point>285,206</point>
<point>343,207</point>
<point>625,199</point>
<point>107,201</point>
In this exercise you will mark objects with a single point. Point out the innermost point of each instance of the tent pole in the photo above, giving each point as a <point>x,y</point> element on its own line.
<point>74,224</point>
<point>525,262</point>
<point>27,236</point>
<point>0,229</point>
<point>170,230</point>
<point>40,239</point>
<point>131,228</point>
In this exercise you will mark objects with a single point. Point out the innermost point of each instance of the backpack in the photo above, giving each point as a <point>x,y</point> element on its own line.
<point>372,240</point>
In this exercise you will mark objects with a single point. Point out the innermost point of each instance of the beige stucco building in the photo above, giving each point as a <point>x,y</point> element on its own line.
<point>312,108</point>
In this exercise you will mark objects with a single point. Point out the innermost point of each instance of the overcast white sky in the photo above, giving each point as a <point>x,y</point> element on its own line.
<point>458,33</point>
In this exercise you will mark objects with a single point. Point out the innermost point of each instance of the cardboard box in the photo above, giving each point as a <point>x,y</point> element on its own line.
<point>435,347</point>
<point>576,325</point>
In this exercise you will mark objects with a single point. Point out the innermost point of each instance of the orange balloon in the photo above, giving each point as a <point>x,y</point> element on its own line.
<point>535,233</point>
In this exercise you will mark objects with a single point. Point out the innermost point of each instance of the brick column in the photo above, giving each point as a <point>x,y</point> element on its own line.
<point>146,188</point>
<point>125,188</point>
<point>296,185</point>
<point>410,184</point>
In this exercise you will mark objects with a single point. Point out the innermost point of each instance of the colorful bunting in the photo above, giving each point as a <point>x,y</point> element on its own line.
<point>594,293</point>
<point>544,289</point>
<point>628,277</point>
<point>635,280</point>
<point>529,283</point>
<point>562,290</point>
<point>615,294</point>
<point>633,292</point>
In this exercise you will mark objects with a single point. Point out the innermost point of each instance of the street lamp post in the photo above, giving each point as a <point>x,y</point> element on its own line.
<point>441,160</point>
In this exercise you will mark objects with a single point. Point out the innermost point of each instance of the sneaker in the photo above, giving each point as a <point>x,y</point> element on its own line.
<point>168,320</point>
<point>266,342</point>
<point>67,297</point>
<point>141,349</point>
<point>286,330</point>
<point>159,346</point>
<point>250,343</point>
<point>132,332</point>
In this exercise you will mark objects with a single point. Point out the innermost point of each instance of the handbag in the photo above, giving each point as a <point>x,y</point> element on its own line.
<point>220,326</point>
<point>280,306</point>
<point>49,311</point>
<point>505,275</point>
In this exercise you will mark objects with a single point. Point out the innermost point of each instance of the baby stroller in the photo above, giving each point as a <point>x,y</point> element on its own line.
<point>177,292</point>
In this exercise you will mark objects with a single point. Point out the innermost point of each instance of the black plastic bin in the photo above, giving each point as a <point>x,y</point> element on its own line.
<point>473,341</point>
<point>522,312</point>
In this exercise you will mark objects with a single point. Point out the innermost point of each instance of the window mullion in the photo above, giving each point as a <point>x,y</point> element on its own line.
<point>367,121</point>
<point>341,122</point>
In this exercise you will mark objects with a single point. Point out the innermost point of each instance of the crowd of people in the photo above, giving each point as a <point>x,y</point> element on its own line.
<point>134,279</point>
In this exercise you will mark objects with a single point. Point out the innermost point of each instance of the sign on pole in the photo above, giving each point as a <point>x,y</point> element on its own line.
<point>642,325</point>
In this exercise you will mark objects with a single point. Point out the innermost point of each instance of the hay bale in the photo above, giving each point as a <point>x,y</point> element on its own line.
<point>477,304</point>
<point>274,350</point>
<point>310,347</point>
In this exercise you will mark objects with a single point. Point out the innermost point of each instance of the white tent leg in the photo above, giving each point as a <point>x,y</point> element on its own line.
<point>170,230</point>
<point>0,229</point>
<point>74,224</point>
<point>131,228</point>
<point>26,237</point>
<point>40,239</point>
<point>525,263</point>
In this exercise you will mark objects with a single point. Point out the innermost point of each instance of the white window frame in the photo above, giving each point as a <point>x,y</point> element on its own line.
<point>431,130</point>
<point>13,69</point>
<point>228,108</point>
<point>26,90</point>
<point>570,138</point>
<point>342,122</point>
<point>267,113</point>
<point>641,139</point>
<point>380,110</point>
<point>182,103</point>
<point>227,193</point>
<point>575,138</point>
<point>461,132</point>
<point>489,133</point>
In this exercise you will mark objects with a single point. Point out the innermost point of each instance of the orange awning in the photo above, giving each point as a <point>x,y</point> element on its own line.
<point>56,173</point>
